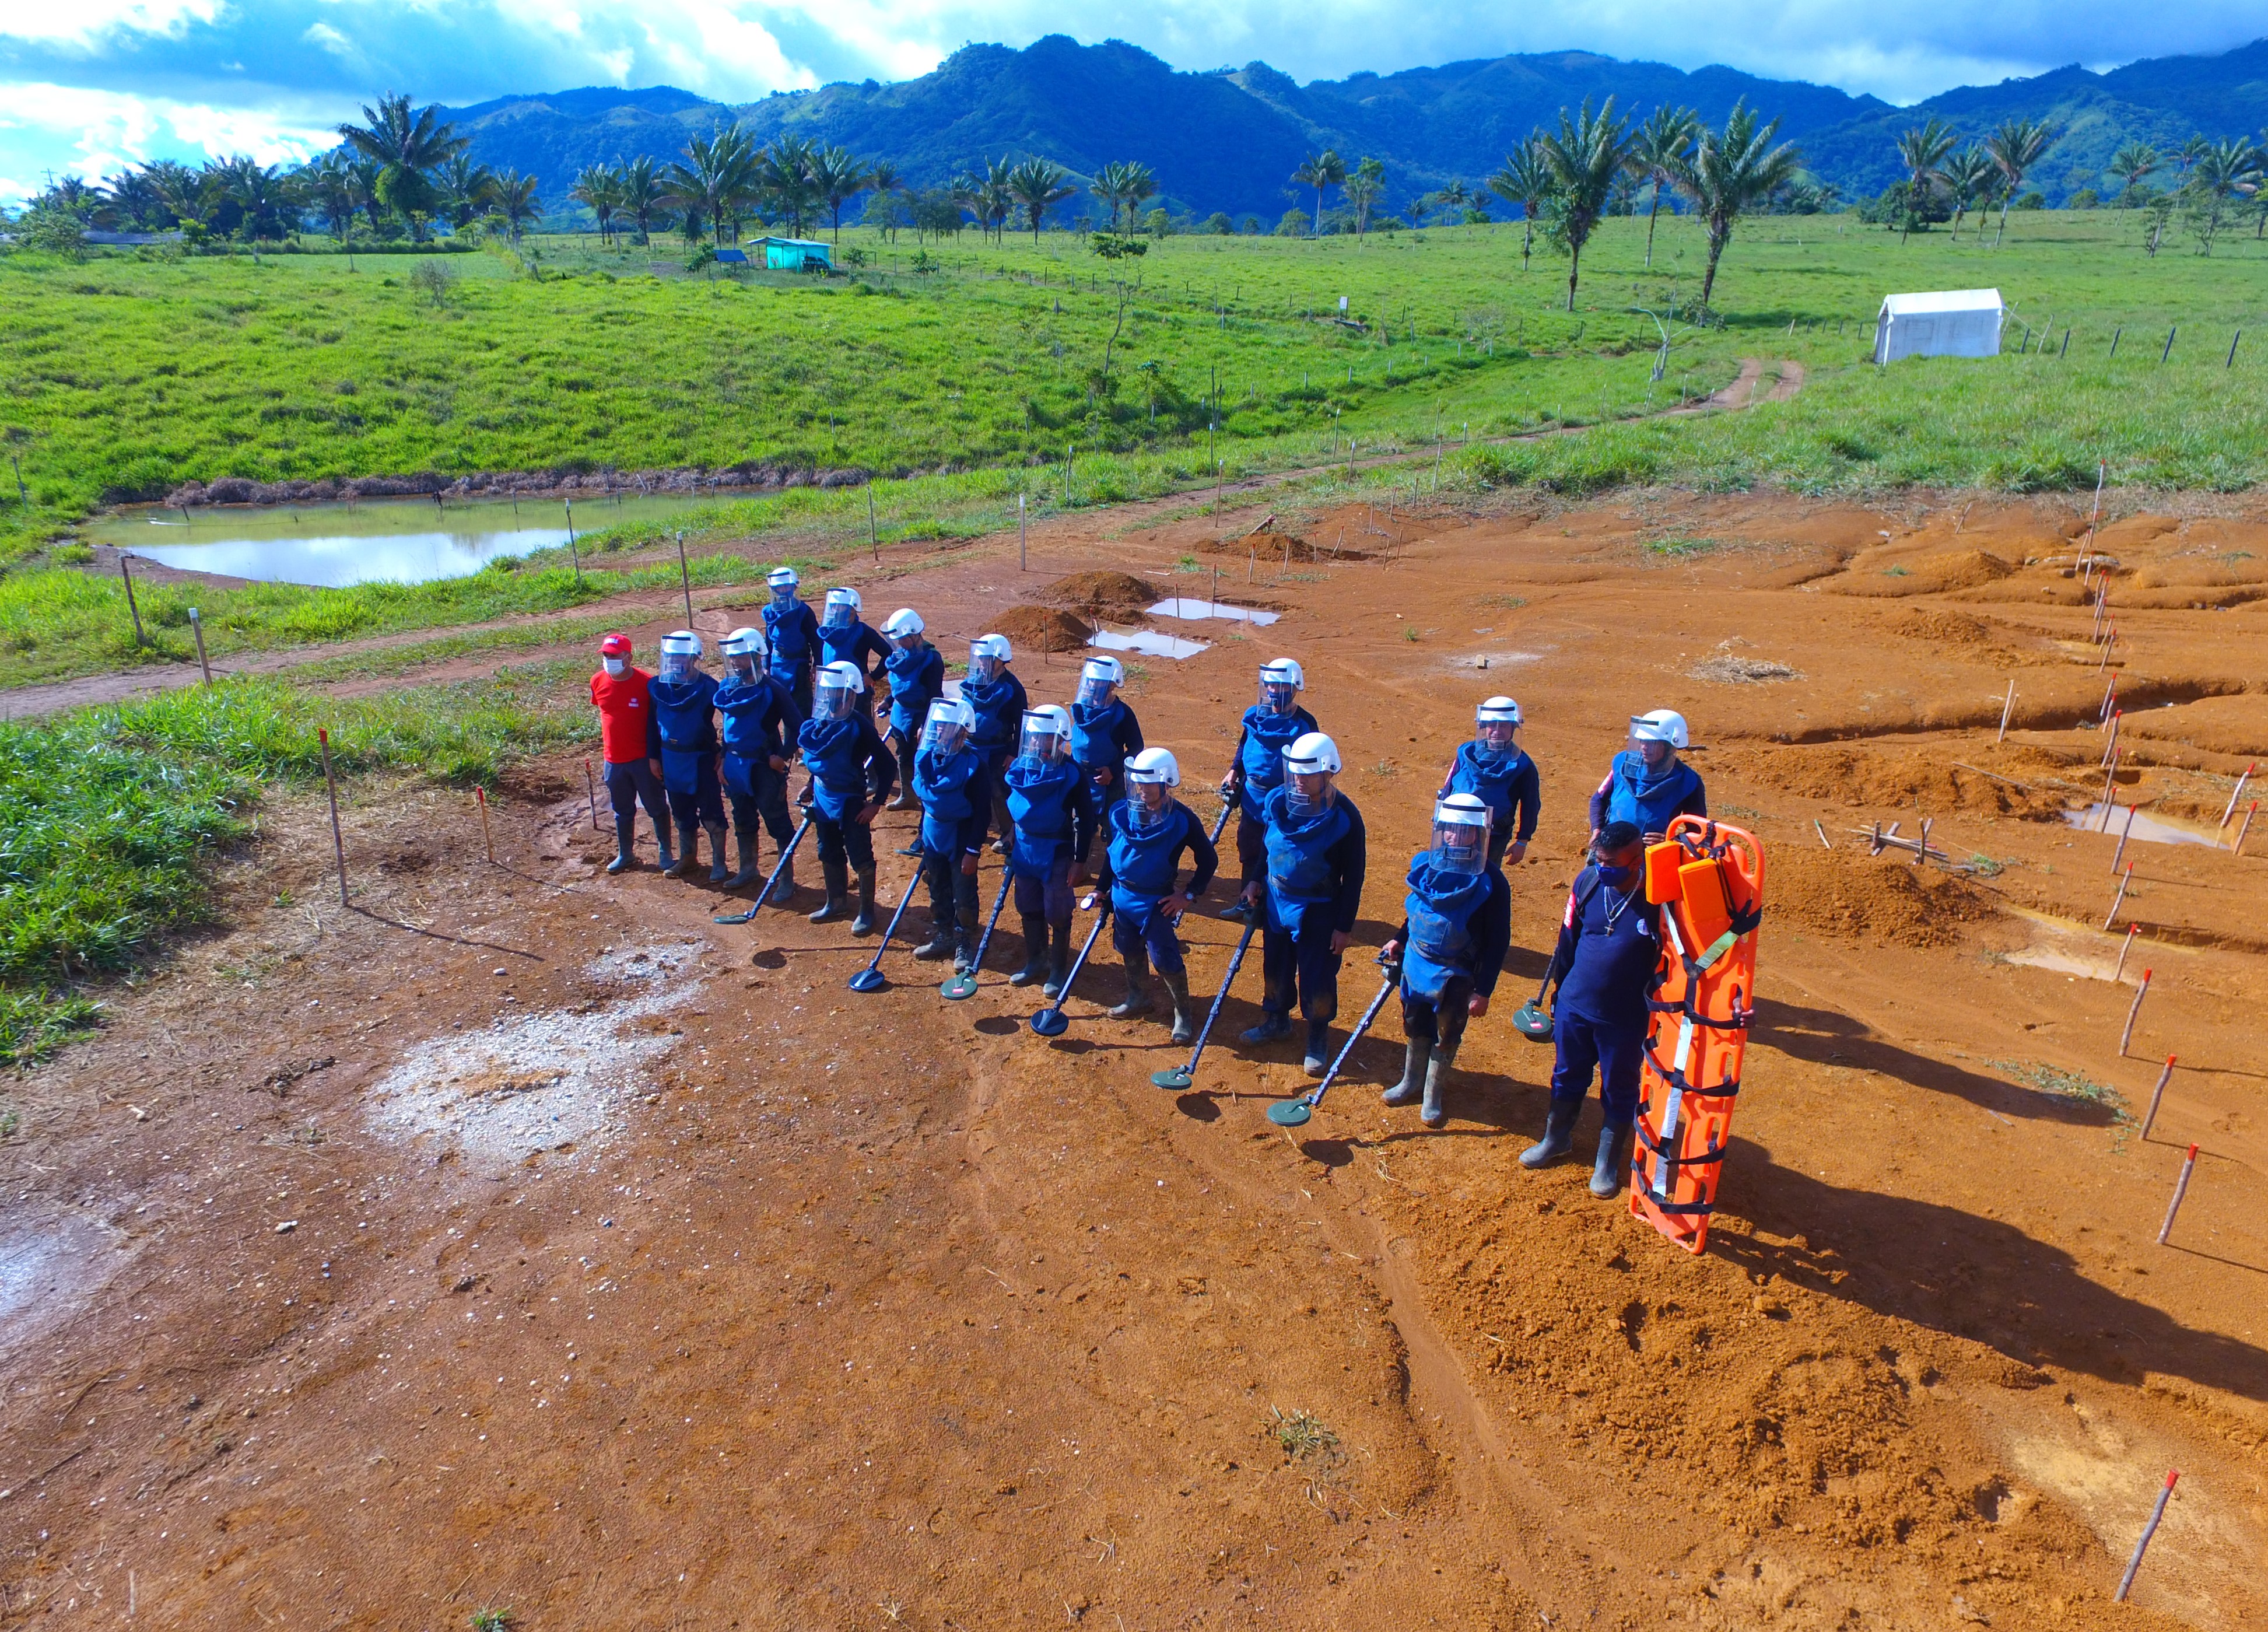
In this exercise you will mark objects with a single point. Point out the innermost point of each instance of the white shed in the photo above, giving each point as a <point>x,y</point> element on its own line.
<point>1945,322</point>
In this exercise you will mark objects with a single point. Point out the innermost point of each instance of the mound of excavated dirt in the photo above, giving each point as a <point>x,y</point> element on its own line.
<point>1864,898</point>
<point>1957,569</point>
<point>1041,629</point>
<point>1892,779</point>
<point>1727,669</point>
<point>1106,596</point>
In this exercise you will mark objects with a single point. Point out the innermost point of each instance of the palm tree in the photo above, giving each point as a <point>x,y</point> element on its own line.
<point>265,195</point>
<point>2225,170</point>
<point>1583,156</point>
<point>1524,180</point>
<point>836,176</point>
<point>405,145</point>
<point>1658,146</point>
<point>1038,186</point>
<point>466,189</point>
<point>784,180</point>
<point>1363,186</point>
<point>1321,171</point>
<point>987,196</point>
<point>594,188</point>
<point>2131,164</point>
<point>639,192</point>
<point>883,177</point>
<point>719,176</point>
<point>516,202</point>
<point>366,173</point>
<point>1729,173</point>
<point>330,187</point>
<point>1108,187</point>
<point>1969,178</point>
<point>1138,185</point>
<point>2188,154</point>
<point>1921,154</point>
<point>1452,201</point>
<point>2016,146</point>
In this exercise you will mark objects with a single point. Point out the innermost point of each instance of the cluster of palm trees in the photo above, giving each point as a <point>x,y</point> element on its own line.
<point>1973,177</point>
<point>1124,186</point>
<point>2212,175</point>
<point>725,178</point>
<point>1567,180</point>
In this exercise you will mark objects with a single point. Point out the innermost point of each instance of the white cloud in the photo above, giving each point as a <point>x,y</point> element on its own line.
<point>93,133</point>
<point>331,39</point>
<point>87,21</point>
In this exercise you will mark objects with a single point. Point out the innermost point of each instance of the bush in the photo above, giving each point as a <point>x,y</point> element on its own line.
<point>1252,225</point>
<point>1294,224</point>
<point>2086,198</point>
<point>1220,225</point>
<point>433,280</point>
<point>1157,224</point>
<point>2033,199</point>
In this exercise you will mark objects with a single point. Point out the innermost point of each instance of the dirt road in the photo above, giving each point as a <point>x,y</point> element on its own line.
<point>522,1240</point>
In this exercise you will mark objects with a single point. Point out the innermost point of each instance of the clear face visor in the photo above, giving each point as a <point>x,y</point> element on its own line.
<point>615,666</point>
<point>1095,691</point>
<point>1306,791</point>
<point>942,734</point>
<point>1495,737</point>
<point>838,614</point>
<point>1278,696</point>
<point>743,664</point>
<point>676,665</point>
<point>1146,805</point>
<point>831,699</point>
<point>1040,740</point>
<point>984,667</point>
<point>782,594</point>
<point>910,641</point>
<point>1655,753</point>
<point>1459,847</point>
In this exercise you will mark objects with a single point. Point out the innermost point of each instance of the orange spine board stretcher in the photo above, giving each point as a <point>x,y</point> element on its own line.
<point>1709,880</point>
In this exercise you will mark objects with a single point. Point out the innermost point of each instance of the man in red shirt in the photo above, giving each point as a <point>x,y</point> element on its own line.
<point>632,744</point>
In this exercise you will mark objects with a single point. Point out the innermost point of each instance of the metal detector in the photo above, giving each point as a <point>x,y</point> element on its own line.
<point>1181,1076</point>
<point>1292,1112</point>
<point>963,982</point>
<point>1051,1020</point>
<point>778,867</point>
<point>1531,1021</point>
<point>871,978</point>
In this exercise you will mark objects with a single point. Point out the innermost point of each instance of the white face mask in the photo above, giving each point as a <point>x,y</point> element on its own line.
<point>615,666</point>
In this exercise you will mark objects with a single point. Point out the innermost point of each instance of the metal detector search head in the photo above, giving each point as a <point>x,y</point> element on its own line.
<point>871,978</point>
<point>1532,1023</point>
<point>963,982</point>
<point>1181,1077</point>
<point>771,879</point>
<point>960,984</point>
<point>1051,1020</point>
<point>1291,1113</point>
<point>868,979</point>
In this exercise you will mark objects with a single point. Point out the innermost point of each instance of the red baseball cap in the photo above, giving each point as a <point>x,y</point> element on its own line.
<point>615,646</point>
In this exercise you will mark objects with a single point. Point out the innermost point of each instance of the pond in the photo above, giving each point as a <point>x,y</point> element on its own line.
<point>407,541</point>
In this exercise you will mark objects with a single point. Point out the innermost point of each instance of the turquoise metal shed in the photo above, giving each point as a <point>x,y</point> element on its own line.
<point>797,254</point>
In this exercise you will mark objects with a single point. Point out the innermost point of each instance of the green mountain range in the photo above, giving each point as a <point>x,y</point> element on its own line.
<point>1229,139</point>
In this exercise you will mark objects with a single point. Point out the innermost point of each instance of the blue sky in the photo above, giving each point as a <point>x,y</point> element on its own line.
<point>89,85</point>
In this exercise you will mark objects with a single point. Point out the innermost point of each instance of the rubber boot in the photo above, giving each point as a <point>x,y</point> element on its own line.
<point>1414,1053</point>
<point>784,886</point>
<point>1058,961</point>
<point>939,944</point>
<point>718,870</point>
<point>1613,1163</point>
<point>1318,1057</point>
<point>662,857</point>
<point>1035,951</point>
<point>1137,1001</point>
<point>1558,1136</point>
<point>625,848</point>
<point>964,943</point>
<point>899,801</point>
<point>1431,1113</point>
<point>863,924</point>
<point>1185,1023</point>
<point>687,862</point>
<point>838,876</point>
<point>748,874</point>
<point>1271,1026</point>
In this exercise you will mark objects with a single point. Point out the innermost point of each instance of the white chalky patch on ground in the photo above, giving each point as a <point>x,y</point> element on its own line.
<point>548,1078</point>
<point>49,1264</point>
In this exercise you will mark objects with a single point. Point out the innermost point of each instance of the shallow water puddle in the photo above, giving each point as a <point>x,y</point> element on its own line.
<point>1190,610</point>
<point>546,1080</point>
<point>1149,642</point>
<point>2157,829</point>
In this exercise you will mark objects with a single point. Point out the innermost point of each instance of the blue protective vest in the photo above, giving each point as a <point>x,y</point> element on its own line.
<point>1649,804</point>
<point>1441,907</point>
<point>999,706</point>
<point>942,788</point>
<point>1040,794</point>
<point>685,711</point>
<point>1144,866</point>
<point>838,770</point>
<point>916,679</point>
<point>792,633</point>
<point>840,645</point>
<point>1299,876</point>
<point>749,744</point>
<point>1095,735</point>
<point>1266,736</point>
<point>1487,780</point>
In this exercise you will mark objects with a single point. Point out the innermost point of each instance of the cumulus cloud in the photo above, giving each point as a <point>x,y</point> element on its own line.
<point>100,78</point>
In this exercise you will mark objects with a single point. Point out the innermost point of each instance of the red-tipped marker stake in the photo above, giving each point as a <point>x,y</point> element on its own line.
<point>2250,811</point>
<point>2007,708</point>
<point>2117,856</point>
<point>2109,785</point>
<point>2157,1094</point>
<point>2141,991</point>
<point>2126,1581</point>
<point>2111,742</point>
<point>480,795</point>
<point>2236,793</point>
<point>2111,917</point>
<point>338,844</point>
<point>2109,696</point>
<point>2124,946</point>
<point>591,785</point>
<point>2181,1189</point>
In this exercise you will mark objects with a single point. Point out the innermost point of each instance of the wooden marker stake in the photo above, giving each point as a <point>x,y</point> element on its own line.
<point>2250,811</point>
<point>197,628</point>
<point>2109,783</point>
<point>2007,709</point>
<point>2236,793</point>
<point>2133,1564</point>
<point>685,578</point>
<point>2157,1094</point>
<point>2181,1189</point>
<point>2124,879</point>
<point>127,578</point>
<point>2127,945</point>
<point>2110,746</point>
<point>1023,560</point>
<point>590,783</point>
<point>2124,833</point>
<point>2127,1036</point>
<point>873,535</point>
<point>338,844</point>
<point>488,838</point>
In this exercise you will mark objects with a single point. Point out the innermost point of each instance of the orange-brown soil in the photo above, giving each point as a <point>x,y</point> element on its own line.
<point>522,1240</point>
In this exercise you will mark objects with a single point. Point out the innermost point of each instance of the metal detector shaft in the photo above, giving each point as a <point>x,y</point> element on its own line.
<point>1053,1014</point>
<point>1188,1073</point>
<point>963,982</point>
<point>1360,1026</point>
<point>871,977</point>
<point>778,867</point>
